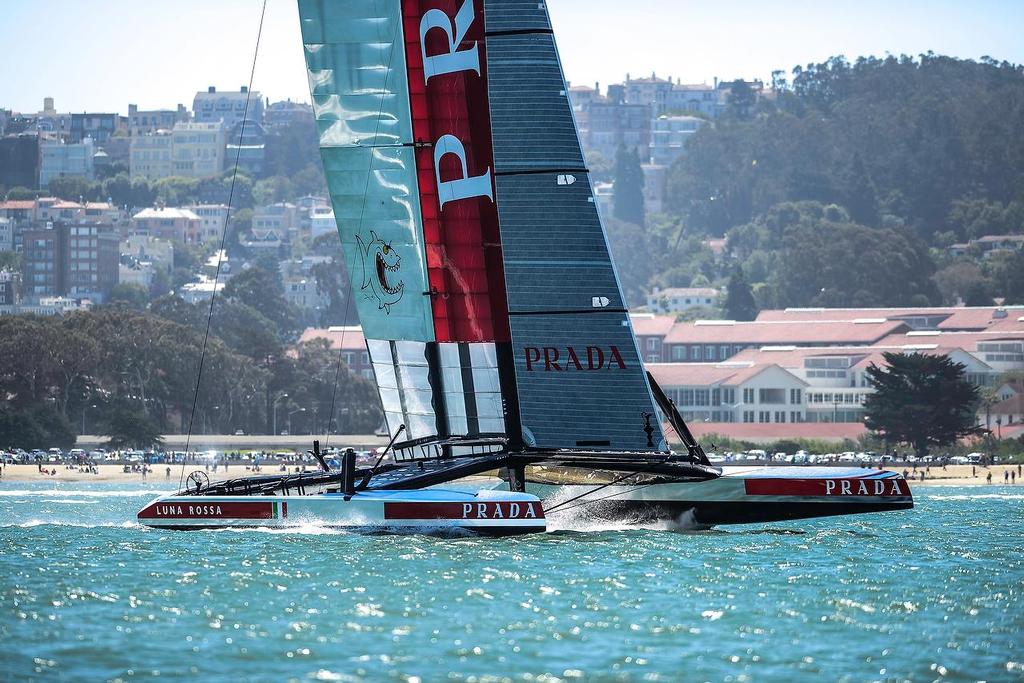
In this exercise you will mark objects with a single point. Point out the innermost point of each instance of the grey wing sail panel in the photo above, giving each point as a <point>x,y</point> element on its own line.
<point>579,377</point>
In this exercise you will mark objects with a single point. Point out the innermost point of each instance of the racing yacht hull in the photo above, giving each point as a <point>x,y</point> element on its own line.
<point>741,496</point>
<point>491,513</point>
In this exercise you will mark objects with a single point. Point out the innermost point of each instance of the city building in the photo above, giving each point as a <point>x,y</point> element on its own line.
<point>200,292</point>
<point>676,299</point>
<point>349,341</point>
<point>669,135</point>
<point>9,281</point>
<point>732,392</point>
<point>6,234</point>
<point>212,218</point>
<point>197,149</point>
<point>612,123</point>
<point>92,262</point>
<point>246,144</point>
<point>168,223</point>
<point>719,340</point>
<point>59,159</point>
<point>141,122</point>
<point>286,113</point>
<point>300,285</point>
<point>48,209</point>
<point>150,155</point>
<point>263,241</point>
<point>149,249</point>
<point>321,221</point>
<point>97,127</point>
<point>77,261</point>
<point>280,217</point>
<point>50,123</point>
<point>227,107</point>
<point>650,331</point>
<point>941,318</point>
<point>19,161</point>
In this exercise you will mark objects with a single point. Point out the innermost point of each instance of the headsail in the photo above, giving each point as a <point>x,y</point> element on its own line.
<point>486,289</point>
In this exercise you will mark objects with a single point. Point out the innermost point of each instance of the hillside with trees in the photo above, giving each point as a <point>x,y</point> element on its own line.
<point>868,170</point>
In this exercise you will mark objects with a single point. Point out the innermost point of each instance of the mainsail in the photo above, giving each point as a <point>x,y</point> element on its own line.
<point>491,308</point>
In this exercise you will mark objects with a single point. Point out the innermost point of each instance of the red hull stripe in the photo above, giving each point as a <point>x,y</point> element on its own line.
<point>213,510</point>
<point>831,488</point>
<point>464,262</point>
<point>475,510</point>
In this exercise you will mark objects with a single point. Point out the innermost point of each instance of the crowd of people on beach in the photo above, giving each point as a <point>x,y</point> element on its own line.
<point>1009,475</point>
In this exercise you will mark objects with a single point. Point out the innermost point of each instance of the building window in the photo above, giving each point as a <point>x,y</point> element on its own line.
<point>695,352</point>
<point>780,416</point>
<point>794,396</point>
<point>748,395</point>
<point>652,344</point>
<point>712,352</point>
<point>728,396</point>
<point>764,416</point>
<point>748,416</point>
<point>771,395</point>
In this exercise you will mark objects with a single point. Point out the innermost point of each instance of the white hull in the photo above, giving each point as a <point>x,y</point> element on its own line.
<point>426,510</point>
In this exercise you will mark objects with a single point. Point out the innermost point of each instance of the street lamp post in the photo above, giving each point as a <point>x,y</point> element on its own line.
<point>284,395</point>
<point>290,413</point>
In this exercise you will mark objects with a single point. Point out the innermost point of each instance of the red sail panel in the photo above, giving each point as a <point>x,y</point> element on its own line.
<point>452,126</point>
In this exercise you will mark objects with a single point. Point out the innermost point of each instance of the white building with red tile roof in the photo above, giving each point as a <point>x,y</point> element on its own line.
<point>719,340</point>
<point>650,331</point>
<point>732,392</point>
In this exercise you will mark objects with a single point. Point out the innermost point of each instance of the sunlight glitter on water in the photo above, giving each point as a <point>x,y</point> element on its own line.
<point>930,593</point>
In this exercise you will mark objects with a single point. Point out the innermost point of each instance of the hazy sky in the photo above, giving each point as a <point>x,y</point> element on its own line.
<point>99,55</point>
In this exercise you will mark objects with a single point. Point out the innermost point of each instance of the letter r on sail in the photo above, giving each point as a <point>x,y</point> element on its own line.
<point>453,60</point>
<point>460,188</point>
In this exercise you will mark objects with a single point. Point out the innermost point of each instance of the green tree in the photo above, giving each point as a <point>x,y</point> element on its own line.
<point>629,186</point>
<point>739,297</point>
<point>921,400</point>
<point>22,194</point>
<point>741,100</point>
<point>37,427</point>
<point>129,425</point>
<point>261,289</point>
<point>131,295</point>
<point>10,260</point>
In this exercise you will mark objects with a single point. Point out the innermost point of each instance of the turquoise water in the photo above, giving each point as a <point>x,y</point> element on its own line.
<point>928,594</point>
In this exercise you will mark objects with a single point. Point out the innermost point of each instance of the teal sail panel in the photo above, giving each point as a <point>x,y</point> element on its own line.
<point>355,60</point>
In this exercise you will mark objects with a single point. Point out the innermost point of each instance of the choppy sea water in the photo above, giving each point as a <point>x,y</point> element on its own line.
<point>934,593</point>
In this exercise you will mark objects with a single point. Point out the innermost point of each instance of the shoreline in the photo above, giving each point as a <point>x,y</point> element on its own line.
<point>952,475</point>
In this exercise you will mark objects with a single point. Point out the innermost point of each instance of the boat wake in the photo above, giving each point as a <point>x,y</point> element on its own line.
<point>131,493</point>
<point>52,522</point>
<point>976,496</point>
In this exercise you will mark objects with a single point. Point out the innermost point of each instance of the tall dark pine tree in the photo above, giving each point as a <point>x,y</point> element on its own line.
<point>921,400</point>
<point>629,186</point>
<point>739,298</point>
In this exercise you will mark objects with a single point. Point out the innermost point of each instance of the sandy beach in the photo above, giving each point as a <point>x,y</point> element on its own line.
<point>952,475</point>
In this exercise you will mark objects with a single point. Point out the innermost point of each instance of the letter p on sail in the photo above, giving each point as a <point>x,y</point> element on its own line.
<point>460,188</point>
<point>453,60</point>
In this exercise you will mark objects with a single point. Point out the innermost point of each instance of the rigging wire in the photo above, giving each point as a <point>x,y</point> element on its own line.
<point>362,211</point>
<point>560,508</point>
<point>223,241</point>
<point>592,491</point>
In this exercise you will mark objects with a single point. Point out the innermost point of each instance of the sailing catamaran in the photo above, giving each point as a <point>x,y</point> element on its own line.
<point>492,311</point>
